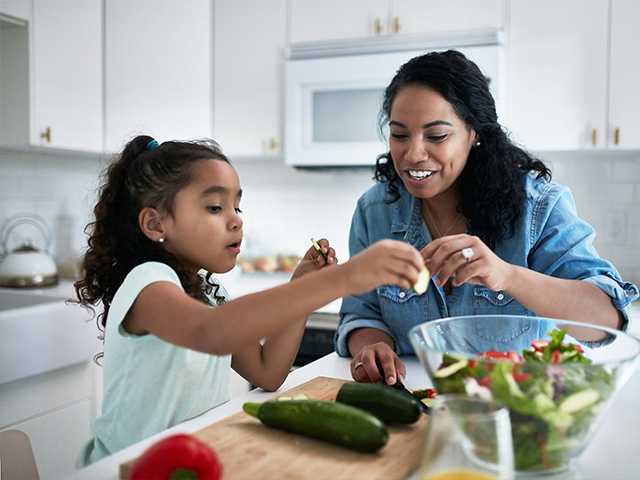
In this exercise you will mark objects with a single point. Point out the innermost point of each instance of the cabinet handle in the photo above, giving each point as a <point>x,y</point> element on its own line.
<point>616,136</point>
<point>396,24</point>
<point>377,26</point>
<point>272,145</point>
<point>46,135</point>
<point>594,136</point>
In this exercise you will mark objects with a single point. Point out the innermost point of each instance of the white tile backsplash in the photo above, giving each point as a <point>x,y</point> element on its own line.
<point>284,207</point>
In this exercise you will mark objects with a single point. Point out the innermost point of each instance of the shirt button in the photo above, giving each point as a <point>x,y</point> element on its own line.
<point>500,296</point>
<point>402,294</point>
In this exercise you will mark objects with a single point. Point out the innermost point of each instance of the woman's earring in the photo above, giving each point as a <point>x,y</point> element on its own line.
<point>477,143</point>
<point>161,240</point>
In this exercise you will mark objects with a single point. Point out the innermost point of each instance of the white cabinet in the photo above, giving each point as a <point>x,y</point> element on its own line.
<point>58,438</point>
<point>624,128</point>
<point>55,410</point>
<point>16,8</point>
<point>310,20</point>
<point>66,76</point>
<point>557,64</point>
<point>434,16</point>
<point>158,56</point>
<point>14,82</point>
<point>248,75</point>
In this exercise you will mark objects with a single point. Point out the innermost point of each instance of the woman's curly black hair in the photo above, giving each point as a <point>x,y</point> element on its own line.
<point>493,180</point>
<point>140,177</point>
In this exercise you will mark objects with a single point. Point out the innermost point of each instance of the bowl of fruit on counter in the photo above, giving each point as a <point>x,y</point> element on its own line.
<point>555,377</point>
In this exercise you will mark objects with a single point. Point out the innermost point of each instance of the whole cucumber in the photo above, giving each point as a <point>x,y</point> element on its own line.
<point>329,421</point>
<point>386,403</point>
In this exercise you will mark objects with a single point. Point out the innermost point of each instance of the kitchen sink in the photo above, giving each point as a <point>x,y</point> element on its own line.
<point>19,299</point>
<point>40,333</point>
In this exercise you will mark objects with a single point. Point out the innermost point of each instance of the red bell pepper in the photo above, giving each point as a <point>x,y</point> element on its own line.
<point>177,457</point>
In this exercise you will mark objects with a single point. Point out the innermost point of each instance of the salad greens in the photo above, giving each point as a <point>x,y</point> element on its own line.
<point>553,392</point>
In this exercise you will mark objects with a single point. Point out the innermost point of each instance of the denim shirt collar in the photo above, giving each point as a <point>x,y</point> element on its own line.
<point>407,219</point>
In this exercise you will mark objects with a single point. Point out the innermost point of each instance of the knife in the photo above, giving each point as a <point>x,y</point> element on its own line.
<point>400,386</point>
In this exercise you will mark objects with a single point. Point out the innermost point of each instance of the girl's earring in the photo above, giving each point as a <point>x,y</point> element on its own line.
<point>478,143</point>
<point>161,240</point>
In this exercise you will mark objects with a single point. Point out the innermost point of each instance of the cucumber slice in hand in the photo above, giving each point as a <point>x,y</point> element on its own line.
<point>422,283</point>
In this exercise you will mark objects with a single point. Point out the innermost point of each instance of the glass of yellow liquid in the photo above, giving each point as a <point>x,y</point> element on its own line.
<point>467,439</point>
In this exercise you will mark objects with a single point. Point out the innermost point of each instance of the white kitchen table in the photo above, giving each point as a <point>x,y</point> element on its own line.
<point>613,454</point>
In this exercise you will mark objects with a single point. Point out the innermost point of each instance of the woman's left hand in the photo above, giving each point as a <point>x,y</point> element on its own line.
<point>465,258</point>
<point>314,260</point>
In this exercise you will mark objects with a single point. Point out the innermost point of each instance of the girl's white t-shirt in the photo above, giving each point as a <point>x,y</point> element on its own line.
<point>150,384</point>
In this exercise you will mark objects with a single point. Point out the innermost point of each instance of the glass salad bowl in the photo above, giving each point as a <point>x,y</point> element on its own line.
<point>555,386</point>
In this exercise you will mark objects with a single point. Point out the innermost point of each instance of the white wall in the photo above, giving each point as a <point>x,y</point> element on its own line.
<point>284,207</point>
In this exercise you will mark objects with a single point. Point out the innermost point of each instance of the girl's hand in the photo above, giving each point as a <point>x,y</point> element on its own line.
<point>377,363</point>
<point>383,263</point>
<point>314,260</point>
<point>465,258</point>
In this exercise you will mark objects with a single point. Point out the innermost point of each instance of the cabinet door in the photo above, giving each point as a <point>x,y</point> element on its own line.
<point>16,8</point>
<point>158,70</point>
<point>312,20</point>
<point>67,74</point>
<point>432,16</point>
<point>248,75</point>
<point>624,75</point>
<point>557,64</point>
<point>58,437</point>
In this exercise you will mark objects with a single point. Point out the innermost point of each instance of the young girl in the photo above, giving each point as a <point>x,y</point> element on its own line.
<point>165,213</point>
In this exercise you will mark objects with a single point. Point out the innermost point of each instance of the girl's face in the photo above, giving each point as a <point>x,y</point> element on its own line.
<point>429,143</point>
<point>205,229</point>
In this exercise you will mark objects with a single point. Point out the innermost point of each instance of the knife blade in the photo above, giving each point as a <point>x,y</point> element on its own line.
<point>400,386</point>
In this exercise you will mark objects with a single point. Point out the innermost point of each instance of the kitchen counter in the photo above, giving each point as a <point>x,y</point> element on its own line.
<point>235,282</point>
<point>238,284</point>
<point>613,453</point>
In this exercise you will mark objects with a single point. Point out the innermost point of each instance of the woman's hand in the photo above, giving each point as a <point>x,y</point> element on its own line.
<point>377,363</point>
<point>314,260</point>
<point>386,262</point>
<point>465,258</point>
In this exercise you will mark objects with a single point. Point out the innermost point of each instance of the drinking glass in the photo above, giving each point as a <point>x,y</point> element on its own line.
<point>467,438</point>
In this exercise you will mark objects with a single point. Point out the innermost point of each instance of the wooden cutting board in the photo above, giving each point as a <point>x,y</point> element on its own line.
<point>250,450</point>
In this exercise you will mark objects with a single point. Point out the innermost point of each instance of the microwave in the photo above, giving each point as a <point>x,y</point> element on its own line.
<point>334,93</point>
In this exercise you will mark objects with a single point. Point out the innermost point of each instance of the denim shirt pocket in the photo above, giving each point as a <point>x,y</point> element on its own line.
<point>401,307</point>
<point>504,330</point>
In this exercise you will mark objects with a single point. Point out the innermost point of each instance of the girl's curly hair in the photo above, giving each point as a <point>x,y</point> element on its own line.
<point>140,177</point>
<point>493,180</point>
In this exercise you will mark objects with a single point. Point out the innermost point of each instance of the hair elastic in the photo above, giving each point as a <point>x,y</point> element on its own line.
<point>153,144</point>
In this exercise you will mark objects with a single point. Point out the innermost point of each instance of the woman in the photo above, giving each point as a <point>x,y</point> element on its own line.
<point>496,234</point>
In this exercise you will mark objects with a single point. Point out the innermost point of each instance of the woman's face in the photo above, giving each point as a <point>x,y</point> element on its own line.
<point>429,143</point>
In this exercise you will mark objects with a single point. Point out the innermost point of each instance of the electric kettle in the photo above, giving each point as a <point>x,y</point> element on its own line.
<point>26,266</point>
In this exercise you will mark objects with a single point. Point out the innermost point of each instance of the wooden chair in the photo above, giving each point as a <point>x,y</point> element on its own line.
<point>16,457</point>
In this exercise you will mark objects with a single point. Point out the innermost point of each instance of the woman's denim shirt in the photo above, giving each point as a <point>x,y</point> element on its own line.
<point>549,238</point>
